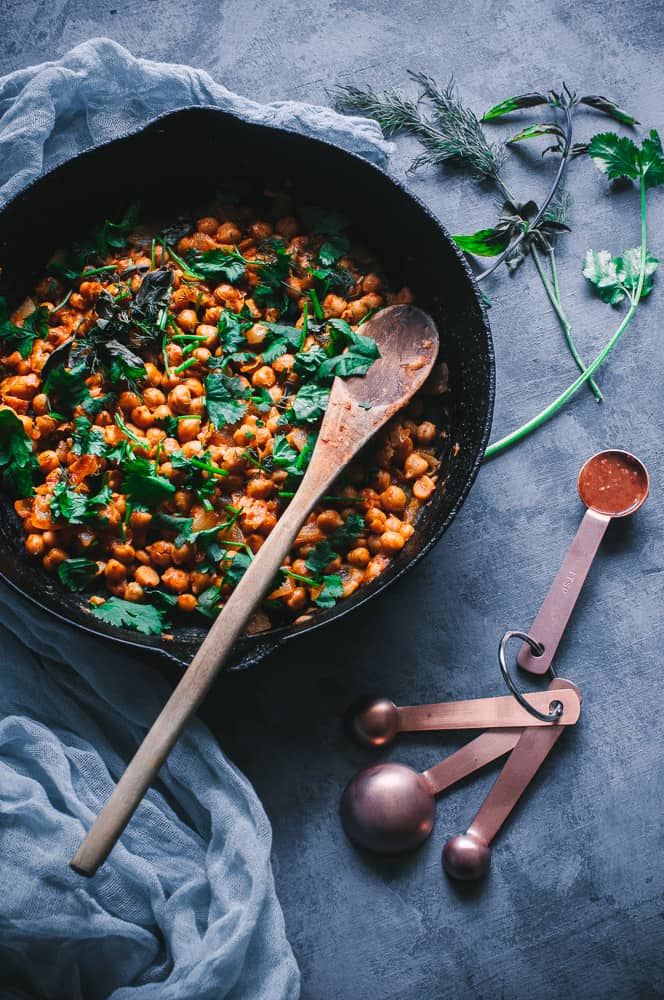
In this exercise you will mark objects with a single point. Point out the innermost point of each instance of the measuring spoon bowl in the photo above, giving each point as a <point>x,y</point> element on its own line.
<point>611,484</point>
<point>388,808</point>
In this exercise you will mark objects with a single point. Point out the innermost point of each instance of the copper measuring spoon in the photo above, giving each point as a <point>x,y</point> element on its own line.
<point>376,722</point>
<point>468,855</point>
<point>611,484</point>
<point>408,342</point>
<point>390,807</point>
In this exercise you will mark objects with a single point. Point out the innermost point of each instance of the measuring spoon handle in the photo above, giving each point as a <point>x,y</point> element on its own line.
<point>529,754</point>
<point>470,758</point>
<point>484,713</point>
<point>559,603</point>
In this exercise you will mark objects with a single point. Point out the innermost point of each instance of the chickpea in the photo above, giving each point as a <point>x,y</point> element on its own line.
<point>179,399</point>
<point>202,355</point>
<point>187,603</point>
<point>191,448</point>
<point>359,556</point>
<point>139,519</point>
<point>392,541</point>
<point>425,432</point>
<point>161,553</point>
<point>176,580</point>
<point>228,232</point>
<point>133,592</point>
<point>264,377</point>
<point>153,397</point>
<point>297,599</point>
<point>382,480</point>
<point>195,386</point>
<point>146,576</point>
<point>208,225</point>
<point>372,301</point>
<point>376,520</point>
<point>373,544</point>
<point>287,227</point>
<point>40,404</point>
<point>355,311</point>
<point>153,374</point>
<point>423,488</point>
<point>261,230</point>
<point>182,500</point>
<point>371,283</point>
<point>210,333</point>
<point>256,334</point>
<point>184,554</point>
<point>300,567</point>
<point>329,520</point>
<point>393,499</point>
<point>45,425</point>
<point>34,544</point>
<point>333,306</point>
<point>115,571</point>
<point>48,460</point>
<point>49,539</point>
<point>128,401</point>
<point>123,552</point>
<point>407,530</point>
<point>142,416</point>
<point>187,320</point>
<point>200,582</point>
<point>415,465</point>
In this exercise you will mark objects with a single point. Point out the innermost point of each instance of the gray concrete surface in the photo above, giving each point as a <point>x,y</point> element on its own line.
<point>574,905</point>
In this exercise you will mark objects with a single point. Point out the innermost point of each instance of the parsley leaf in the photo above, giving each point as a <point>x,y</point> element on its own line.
<point>616,277</point>
<point>113,235</point>
<point>618,156</point>
<point>308,405</point>
<point>320,557</point>
<point>346,536</point>
<point>223,396</point>
<point>278,340</point>
<point>208,602</point>
<point>87,439</point>
<point>357,360</point>
<point>217,264</point>
<point>75,507</point>
<point>77,573</point>
<point>238,563</point>
<point>333,589</point>
<point>127,614</point>
<point>274,274</point>
<point>67,386</point>
<point>21,338</point>
<point>143,483</point>
<point>309,362</point>
<point>231,329</point>
<point>16,458</point>
<point>284,456</point>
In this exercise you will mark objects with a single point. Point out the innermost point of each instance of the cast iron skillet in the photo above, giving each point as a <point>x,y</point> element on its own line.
<point>174,166</point>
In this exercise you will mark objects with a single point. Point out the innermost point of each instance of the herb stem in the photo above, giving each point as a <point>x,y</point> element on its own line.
<point>215,470</point>
<point>185,364</point>
<point>554,299</point>
<point>560,401</point>
<point>560,173</point>
<point>288,494</point>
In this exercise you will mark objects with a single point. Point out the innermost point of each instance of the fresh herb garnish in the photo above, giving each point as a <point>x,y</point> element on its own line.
<point>279,340</point>
<point>76,507</point>
<point>356,360</point>
<point>77,574</point>
<point>143,483</point>
<point>21,338</point>
<point>126,614</point>
<point>308,405</point>
<point>216,264</point>
<point>88,439</point>
<point>225,398</point>
<point>67,386</point>
<point>16,458</point>
<point>112,235</point>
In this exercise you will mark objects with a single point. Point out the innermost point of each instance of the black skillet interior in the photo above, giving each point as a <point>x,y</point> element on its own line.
<point>174,167</point>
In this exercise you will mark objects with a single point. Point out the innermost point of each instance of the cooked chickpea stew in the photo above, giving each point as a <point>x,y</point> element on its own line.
<point>160,396</point>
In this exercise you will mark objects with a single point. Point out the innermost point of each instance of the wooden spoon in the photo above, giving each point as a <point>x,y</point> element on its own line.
<point>358,407</point>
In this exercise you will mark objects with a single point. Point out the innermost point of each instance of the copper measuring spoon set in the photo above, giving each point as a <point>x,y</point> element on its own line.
<point>389,807</point>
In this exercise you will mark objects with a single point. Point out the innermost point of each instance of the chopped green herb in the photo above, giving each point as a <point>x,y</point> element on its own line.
<point>88,439</point>
<point>16,457</point>
<point>308,405</point>
<point>225,397</point>
<point>76,507</point>
<point>127,614</point>
<point>21,338</point>
<point>77,574</point>
<point>143,483</point>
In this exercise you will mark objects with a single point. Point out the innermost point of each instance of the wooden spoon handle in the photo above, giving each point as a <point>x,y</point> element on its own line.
<point>192,688</point>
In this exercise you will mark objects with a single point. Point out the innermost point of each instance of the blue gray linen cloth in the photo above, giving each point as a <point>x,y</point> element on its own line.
<point>185,908</point>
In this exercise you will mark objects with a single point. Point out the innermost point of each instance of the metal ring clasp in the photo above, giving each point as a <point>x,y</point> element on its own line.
<point>536,649</point>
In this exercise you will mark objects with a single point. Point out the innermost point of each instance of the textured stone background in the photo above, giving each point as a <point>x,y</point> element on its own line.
<point>574,904</point>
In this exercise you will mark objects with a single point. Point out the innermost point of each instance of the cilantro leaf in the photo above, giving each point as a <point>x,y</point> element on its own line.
<point>113,235</point>
<point>75,507</point>
<point>346,536</point>
<point>87,439</point>
<point>231,329</point>
<point>652,160</point>
<point>309,362</point>
<point>333,589</point>
<point>217,264</point>
<point>238,563</point>
<point>143,483</point>
<point>286,457</point>
<point>320,557</point>
<point>278,340</point>
<point>68,387</point>
<point>357,360</point>
<point>76,574</point>
<point>274,273</point>
<point>16,457</point>
<point>616,156</point>
<point>224,395</point>
<point>616,277</point>
<point>127,614</point>
<point>333,248</point>
<point>308,405</point>
<point>208,602</point>
<point>21,338</point>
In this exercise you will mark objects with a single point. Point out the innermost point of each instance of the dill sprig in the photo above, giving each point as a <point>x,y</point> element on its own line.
<point>450,133</point>
<point>559,207</point>
<point>393,112</point>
